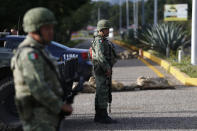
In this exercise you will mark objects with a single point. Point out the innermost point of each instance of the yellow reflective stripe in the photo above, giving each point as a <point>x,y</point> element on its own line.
<point>152,67</point>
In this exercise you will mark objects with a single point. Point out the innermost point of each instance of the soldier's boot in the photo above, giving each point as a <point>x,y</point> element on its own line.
<point>101,116</point>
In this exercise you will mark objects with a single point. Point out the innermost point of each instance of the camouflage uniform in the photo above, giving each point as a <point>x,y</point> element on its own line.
<point>103,58</point>
<point>103,61</point>
<point>38,91</point>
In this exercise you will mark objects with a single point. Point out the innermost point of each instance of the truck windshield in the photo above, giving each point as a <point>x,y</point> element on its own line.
<point>12,44</point>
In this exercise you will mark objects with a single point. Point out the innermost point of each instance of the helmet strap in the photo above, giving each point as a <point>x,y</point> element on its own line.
<point>41,37</point>
<point>103,33</point>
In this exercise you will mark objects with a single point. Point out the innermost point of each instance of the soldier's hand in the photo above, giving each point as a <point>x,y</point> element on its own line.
<point>108,73</point>
<point>67,108</point>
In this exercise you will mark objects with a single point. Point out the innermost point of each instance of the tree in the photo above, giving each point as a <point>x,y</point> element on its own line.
<point>12,12</point>
<point>104,12</point>
<point>78,20</point>
<point>110,12</point>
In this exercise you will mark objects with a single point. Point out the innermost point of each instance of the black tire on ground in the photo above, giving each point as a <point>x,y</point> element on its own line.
<point>9,120</point>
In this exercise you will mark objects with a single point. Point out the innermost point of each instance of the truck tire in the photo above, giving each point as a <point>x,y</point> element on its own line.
<point>9,119</point>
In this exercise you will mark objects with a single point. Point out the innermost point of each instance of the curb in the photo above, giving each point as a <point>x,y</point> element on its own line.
<point>182,77</point>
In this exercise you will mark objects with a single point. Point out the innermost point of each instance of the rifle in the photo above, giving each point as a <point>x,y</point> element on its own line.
<point>68,72</point>
<point>69,99</point>
<point>110,76</point>
<point>110,93</point>
<point>109,83</point>
<point>112,51</point>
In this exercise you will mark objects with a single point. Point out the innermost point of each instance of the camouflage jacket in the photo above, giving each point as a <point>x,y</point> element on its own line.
<point>103,53</point>
<point>36,83</point>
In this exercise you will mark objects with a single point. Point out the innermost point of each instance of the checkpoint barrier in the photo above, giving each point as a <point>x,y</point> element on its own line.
<point>182,77</point>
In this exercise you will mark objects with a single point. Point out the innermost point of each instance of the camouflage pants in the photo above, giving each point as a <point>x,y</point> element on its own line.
<point>102,91</point>
<point>38,127</point>
<point>37,118</point>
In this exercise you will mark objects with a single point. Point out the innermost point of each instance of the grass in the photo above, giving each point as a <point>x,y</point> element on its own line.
<point>185,66</point>
<point>73,43</point>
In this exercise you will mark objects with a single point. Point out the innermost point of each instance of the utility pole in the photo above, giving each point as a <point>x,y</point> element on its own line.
<point>99,15</point>
<point>135,17</point>
<point>194,33</point>
<point>134,13</point>
<point>143,20</point>
<point>155,12</point>
<point>127,13</point>
<point>98,11</point>
<point>120,18</point>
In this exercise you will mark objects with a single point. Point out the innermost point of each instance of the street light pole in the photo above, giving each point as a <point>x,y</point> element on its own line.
<point>194,34</point>
<point>120,18</point>
<point>98,11</point>
<point>136,14</point>
<point>155,12</point>
<point>127,13</point>
<point>143,20</point>
<point>135,17</point>
<point>99,15</point>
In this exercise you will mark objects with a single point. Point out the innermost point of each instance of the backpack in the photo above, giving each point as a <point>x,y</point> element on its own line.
<point>92,53</point>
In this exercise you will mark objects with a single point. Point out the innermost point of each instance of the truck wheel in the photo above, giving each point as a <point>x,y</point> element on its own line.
<point>6,87</point>
<point>9,120</point>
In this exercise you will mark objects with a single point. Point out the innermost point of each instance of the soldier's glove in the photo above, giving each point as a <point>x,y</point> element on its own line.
<point>62,113</point>
<point>109,72</point>
<point>66,110</point>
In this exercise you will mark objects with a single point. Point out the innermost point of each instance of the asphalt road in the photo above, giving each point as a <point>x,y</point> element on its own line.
<point>139,110</point>
<point>152,110</point>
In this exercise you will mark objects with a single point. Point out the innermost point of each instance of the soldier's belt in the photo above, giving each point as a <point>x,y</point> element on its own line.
<point>95,62</point>
<point>31,101</point>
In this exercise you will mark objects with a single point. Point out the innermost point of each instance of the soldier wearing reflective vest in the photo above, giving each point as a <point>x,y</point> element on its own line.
<point>103,58</point>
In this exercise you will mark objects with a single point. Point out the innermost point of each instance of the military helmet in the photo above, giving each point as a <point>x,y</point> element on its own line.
<point>37,17</point>
<point>103,24</point>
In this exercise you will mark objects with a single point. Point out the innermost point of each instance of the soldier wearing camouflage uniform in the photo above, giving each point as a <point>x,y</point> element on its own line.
<point>38,89</point>
<point>103,57</point>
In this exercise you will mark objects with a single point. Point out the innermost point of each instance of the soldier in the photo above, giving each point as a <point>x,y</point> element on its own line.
<point>38,89</point>
<point>103,57</point>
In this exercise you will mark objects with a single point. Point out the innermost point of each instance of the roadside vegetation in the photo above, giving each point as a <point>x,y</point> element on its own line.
<point>164,40</point>
<point>71,16</point>
<point>185,65</point>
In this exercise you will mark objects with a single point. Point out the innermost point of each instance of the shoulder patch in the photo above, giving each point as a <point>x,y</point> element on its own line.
<point>100,41</point>
<point>33,56</point>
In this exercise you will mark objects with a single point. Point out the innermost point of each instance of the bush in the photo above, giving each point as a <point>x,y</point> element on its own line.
<point>129,36</point>
<point>163,36</point>
<point>185,65</point>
